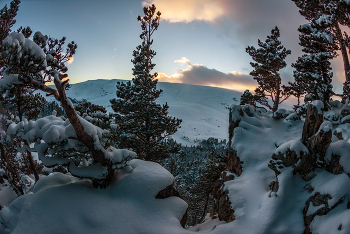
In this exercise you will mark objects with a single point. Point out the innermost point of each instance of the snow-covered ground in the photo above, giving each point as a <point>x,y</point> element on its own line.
<point>64,204</point>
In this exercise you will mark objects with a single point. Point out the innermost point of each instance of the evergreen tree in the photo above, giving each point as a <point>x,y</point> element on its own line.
<point>144,124</point>
<point>18,100</point>
<point>7,20</point>
<point>296,89</point>
<point>51,107</point>
<point>313,70</point>
<point>269,59</point>
<point>247,98</point>
<point>337,13</point>
<point>251,99</point>
<point>22,102</point>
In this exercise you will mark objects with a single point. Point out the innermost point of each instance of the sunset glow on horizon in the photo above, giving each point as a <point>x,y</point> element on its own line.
<point>199,42</point>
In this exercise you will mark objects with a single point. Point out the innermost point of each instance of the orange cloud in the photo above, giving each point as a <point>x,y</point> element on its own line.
<point>198,74</point>
<point>174,78</point>
<point>186,11</point>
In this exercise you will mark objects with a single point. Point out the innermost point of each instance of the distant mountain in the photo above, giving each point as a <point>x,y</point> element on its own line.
<point>203,110</point>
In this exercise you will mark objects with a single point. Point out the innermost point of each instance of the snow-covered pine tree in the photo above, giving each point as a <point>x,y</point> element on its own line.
<point>17,100</point>
<point>22,102</point>
<point>247,98</point>
<point>144,124</point>
<point>34,64</point>
<point>296,89</point>
<point>7,18</point>
<point>313,70</point>
<point>98,116</point>
<point>338,12</point>
<point>51,107</point>
<point>269,59</point>
<point>251,99</point>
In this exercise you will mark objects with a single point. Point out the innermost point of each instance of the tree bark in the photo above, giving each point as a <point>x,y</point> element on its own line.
<point>31,162</point>
<point>86,139</point>
<point>278,92</point>
<point>343,51</point>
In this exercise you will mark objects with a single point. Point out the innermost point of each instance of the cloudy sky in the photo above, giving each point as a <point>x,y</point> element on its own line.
<point>198,42</point>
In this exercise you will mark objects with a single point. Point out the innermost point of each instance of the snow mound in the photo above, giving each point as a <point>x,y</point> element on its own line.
<point>64,204</point>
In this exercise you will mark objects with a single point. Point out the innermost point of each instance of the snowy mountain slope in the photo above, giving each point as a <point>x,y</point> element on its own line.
<point>204,110</point>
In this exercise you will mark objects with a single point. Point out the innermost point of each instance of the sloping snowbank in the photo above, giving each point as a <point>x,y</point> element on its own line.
<point>64,204</point>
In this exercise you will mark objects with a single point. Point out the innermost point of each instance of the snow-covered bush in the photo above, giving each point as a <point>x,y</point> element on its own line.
<point>56,143</point>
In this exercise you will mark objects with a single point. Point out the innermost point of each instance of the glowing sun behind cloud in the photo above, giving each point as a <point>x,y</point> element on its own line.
<point>188,10</point>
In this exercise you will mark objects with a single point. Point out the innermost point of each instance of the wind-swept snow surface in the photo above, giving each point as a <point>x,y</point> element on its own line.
<point>64,204</point>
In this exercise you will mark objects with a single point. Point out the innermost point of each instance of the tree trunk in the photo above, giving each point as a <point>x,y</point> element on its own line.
<point>205,207</point>
<point>275,103</point>
<point>86,139</point>
<point>343,52</point>
<point>277,99</point>
<point>31,162</point>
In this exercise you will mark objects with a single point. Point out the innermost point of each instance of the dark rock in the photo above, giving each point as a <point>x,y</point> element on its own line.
<point>316,136</point>
<point>236,112</point>
<point>279,161</point>
<point>313,121</point>
<point>234,164</point>
<point>333,166</point>
<point>170,191</point>
<point>274,186</point>
<point>317,200</point>
<point>319,144</point>
<point>309,188</point>
<point>339,135</point>
<point>221,203</point>
<point>184,219</point>
<point>280,114</point>
<point>345,111</point>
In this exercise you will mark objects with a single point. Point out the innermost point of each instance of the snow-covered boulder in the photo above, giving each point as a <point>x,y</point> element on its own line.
<point>345,111</point>
<point>292,117</point>
<point>332,116</point>
<point>288,155</point>
<point>281,113</point>
<point>63,204</point>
